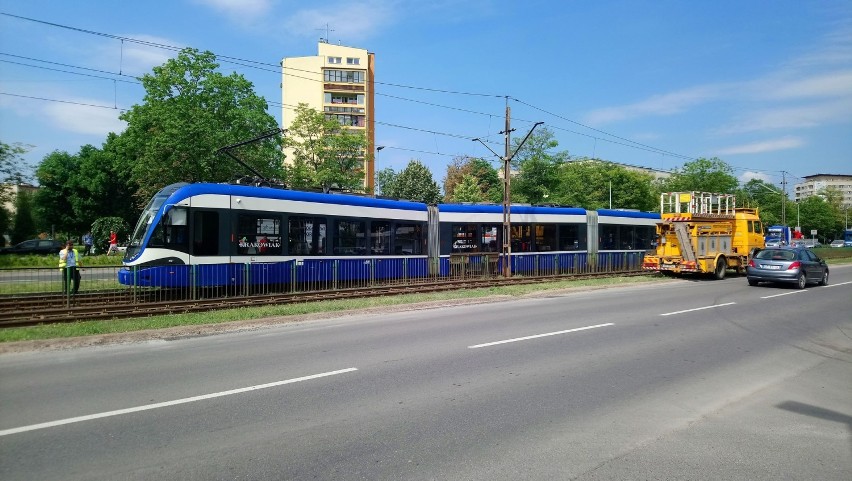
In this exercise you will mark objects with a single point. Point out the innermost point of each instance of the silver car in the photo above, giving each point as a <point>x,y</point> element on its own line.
<point>794,265</point>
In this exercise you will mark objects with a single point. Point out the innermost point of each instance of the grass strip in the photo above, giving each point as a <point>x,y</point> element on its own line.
<point>96,327</point>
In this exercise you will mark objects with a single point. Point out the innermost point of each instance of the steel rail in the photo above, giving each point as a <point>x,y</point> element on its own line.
<point>47,312</point>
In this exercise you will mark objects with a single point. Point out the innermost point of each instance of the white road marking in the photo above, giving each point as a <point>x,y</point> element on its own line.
<point>148,407</point>
<point>841,284</point>
<point>698,309</point>
<point>539,335</point>
<point>784,294</point>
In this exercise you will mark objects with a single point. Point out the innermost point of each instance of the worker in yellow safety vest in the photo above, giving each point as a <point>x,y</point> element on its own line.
<point>69,264</point>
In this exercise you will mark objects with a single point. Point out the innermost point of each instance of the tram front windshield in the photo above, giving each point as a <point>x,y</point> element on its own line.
<point>147,218</point>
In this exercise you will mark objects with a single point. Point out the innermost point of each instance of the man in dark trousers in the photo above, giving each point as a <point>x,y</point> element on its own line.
<point>69,264</point>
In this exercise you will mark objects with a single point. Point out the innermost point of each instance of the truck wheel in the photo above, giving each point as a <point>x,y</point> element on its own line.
<point>802,281</point>
<point>719,274</point>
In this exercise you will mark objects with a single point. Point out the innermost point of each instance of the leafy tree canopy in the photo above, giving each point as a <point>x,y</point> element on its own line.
<point>415,183</point>
<point>537,163</point>
<point>590,183</point>
<point>701,175</point>
<point>13,167</point>
<point>58,175</point>
<point>323,153</point>
<point>468,190</point>
<point>483,174</point>
<point>190,111</point>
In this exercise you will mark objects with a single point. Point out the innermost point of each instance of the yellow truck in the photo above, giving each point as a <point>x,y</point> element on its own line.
<point>704,233</point>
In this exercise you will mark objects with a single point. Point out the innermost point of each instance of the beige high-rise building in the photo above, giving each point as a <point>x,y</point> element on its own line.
<point>338,81</point>
<point>815,184</point>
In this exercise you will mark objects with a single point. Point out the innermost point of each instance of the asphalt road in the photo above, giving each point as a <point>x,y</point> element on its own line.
<point>678,380</point>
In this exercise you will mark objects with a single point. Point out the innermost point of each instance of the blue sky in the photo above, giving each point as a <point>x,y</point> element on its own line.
<point>764,85</point>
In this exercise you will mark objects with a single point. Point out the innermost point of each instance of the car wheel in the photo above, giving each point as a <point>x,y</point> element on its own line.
<point>720,269</point>
<point>802,281</point>
<point>824,280</point>
<point>752,282</point>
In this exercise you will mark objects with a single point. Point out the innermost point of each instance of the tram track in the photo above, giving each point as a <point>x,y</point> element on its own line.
<point>56,308</point>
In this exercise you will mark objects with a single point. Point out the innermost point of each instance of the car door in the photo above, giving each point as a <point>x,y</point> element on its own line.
<point>810,264</point>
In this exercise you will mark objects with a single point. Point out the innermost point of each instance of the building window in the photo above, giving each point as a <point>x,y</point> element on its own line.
<point>334,60</point>
<point>353,61</point>
<point>344,76</point>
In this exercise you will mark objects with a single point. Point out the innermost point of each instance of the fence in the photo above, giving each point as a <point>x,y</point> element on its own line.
<point>159,283</point>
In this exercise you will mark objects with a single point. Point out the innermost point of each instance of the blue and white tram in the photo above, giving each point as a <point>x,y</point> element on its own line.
<point>206,235</point>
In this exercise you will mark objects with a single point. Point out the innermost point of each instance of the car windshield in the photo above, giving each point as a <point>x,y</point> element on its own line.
<point>776,255</point>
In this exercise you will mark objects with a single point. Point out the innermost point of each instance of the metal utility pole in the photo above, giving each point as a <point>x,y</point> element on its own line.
<point>783,198</point>
<point>507,188</point>
<point>507,198</point>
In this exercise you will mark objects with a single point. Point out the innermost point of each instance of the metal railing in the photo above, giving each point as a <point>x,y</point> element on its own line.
<point>109,285</point>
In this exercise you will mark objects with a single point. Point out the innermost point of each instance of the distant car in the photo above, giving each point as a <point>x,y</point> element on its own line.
<point>773,243</point>
<point>35,246</point>
<point>811,243</point>
<point>837,243</point>
<point>793,265</point>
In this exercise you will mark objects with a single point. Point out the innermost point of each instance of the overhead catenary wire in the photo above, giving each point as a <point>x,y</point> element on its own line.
<point>278,69</point>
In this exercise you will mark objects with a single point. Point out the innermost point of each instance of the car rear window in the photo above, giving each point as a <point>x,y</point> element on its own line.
<point>775,255</point>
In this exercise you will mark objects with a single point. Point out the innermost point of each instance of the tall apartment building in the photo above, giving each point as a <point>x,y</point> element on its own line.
<point>338,81</point>
<point>813,184</point>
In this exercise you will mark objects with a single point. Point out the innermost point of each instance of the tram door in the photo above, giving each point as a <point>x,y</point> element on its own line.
<point>205,234</point>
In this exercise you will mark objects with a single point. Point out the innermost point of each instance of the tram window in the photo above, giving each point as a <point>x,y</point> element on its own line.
<point>258,235</point>
<point>464,238</point>
<point>569,237</point>
<point>349,238</point>
<point>609,237</point>
<point>545,237</point>
<point>490,241</point>
<point>521,238</point>
<point>645,236</point>
<point>380,237</point>
<point>205,229</point>
<point>306,236</point>
<point>408,239</point>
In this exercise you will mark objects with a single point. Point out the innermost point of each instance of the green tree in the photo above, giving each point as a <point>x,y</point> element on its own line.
<point>767,198</point>
<point>101,228</point>
<point>190,111</point>
<point>537,163</point>
<point>485,176</point>
<point>415,183</point>
<point>58,176</point>
<point>468,190</point>
<point>24,226</point>
<point>385,181</point>
<point>323,153</point>
<point>13,171</point>
<point>701,175</point>
<point>591,184</point>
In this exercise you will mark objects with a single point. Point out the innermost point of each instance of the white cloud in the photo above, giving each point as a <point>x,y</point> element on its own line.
<point>748,175</point>
<point>239,9</point>
<point>658,105</point>
<point>796,117</point>
<point>82,119</point>
<point>785,143</point>
<point>828,84</point>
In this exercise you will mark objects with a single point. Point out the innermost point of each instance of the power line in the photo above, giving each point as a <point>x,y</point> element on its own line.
<point>62,101</point>
<point>279,69</point>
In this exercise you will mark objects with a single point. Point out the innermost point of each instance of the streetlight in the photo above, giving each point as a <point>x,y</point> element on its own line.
<point>378,149</point>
